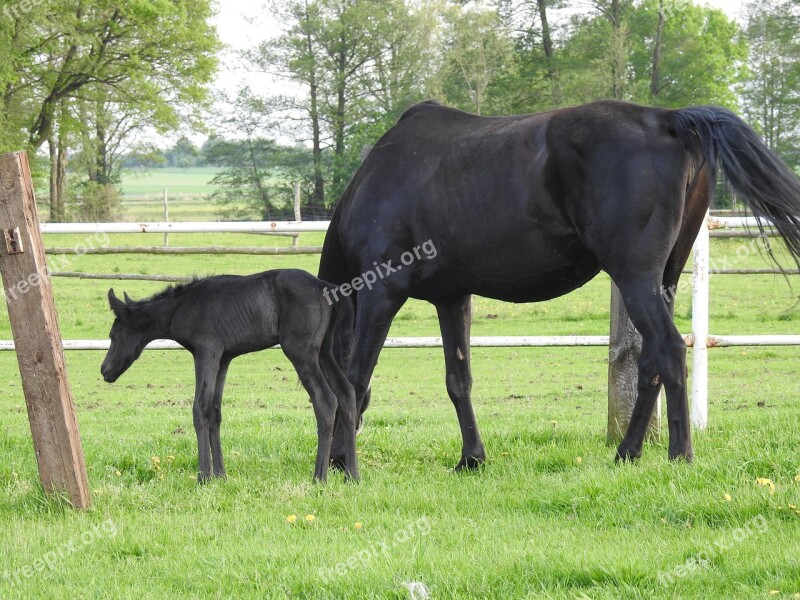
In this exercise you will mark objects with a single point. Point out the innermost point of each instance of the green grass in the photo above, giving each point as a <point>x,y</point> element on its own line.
<point>535,522</point>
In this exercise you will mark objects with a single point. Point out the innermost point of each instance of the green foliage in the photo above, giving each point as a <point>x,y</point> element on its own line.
<point>702,58</point>
<point>92,202</point>
<point>770,94</point>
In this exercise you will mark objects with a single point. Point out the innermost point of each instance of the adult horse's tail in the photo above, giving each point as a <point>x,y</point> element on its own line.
<point>755,173</point>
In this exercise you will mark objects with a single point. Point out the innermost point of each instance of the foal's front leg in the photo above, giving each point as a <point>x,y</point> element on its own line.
<point>206,367</point>
<point>216,419</point>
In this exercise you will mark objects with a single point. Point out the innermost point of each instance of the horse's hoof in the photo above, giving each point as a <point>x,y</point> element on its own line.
<point>626,455</point>
<point>203,479</point>
<point>469,463</point>
<point>686,456</point>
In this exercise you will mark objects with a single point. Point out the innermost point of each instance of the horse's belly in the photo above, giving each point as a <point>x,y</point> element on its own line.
<point>514,278</point>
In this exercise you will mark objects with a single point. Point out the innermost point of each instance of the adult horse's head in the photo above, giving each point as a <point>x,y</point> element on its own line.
<point>127,339</point>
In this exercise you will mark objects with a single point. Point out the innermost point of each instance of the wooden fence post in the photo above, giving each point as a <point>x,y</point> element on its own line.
<point>37,338</point>
<point>624,348</point>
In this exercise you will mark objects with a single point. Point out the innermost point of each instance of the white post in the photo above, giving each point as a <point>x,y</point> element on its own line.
<point>297,216</point>
<point>166,216</point>
<point>700,293</point>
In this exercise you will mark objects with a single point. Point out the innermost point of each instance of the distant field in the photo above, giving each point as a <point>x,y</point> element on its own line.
<point>188,192</point>
<point>178,182</point>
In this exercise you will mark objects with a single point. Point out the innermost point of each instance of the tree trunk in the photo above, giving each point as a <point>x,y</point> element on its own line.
<point>61,174</point>
<point>51,145</point>
<point>655,75</point>
<point>624,348</point>
<point>547,45</point>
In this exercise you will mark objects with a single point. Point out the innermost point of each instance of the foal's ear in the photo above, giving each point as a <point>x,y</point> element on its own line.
<point>115,303</point>
<point>127,298</point>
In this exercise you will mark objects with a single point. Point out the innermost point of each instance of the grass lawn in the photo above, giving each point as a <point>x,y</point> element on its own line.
<point>549,516</point>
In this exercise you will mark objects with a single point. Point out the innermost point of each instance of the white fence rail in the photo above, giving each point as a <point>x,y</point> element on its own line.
<point>700,339</point>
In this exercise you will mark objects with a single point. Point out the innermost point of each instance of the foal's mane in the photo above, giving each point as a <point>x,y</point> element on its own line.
<point>172,291</point>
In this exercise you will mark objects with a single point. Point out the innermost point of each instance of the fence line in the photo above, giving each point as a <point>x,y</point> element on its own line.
<point>700,280</point>
<point>254,250</point>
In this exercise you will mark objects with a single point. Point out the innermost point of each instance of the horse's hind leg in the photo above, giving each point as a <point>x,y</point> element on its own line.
<point>454,321</point>
<point>305,359</point>
<point>663,360</point>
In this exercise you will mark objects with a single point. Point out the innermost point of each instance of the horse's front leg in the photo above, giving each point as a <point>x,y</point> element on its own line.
<point>206,367</point>
<point>454,321</point>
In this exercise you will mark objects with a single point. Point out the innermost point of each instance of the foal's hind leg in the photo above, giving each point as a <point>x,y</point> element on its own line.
<point>373,319</point>
<point>663,359</point>
<point>305,359</point>
<point>454,321</point>
<point>346,416</point>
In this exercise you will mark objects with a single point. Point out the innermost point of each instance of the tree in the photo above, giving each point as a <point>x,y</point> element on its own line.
<point>478,50</point>
<point>156,55</point>
<point>692,56</point>
<point>258,175</point>
<point>771,95</point>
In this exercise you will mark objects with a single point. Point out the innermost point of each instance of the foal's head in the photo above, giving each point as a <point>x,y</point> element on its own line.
<point>128,338</point>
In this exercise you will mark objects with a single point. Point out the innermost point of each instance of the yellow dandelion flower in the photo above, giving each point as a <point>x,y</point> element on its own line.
<point>359,525</point>
<point>291,518</point>
<point>553,423</point>
<point>774,592</point>
<point>797,478</point>
<point>170,458</point>
<point>578,460</point>
<point>792,507</point>
<point>764,482</point>
<point>727,497</point>
<point>310,518</point>
<point>118,473</point>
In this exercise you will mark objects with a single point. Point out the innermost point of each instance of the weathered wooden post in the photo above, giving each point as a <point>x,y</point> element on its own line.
<point>624,348</point>
<point>37,338</point>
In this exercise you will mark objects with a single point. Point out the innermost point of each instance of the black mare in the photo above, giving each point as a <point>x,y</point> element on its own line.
<point>222,317</point>
<point>528,208</point>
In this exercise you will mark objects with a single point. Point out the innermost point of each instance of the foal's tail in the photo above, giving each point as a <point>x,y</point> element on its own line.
<point>755,173</point>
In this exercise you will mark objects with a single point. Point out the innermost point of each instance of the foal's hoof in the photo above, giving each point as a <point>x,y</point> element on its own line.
<point>469,463</point>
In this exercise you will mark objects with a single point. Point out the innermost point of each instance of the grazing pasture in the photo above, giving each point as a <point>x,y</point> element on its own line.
<point>549,516</point>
